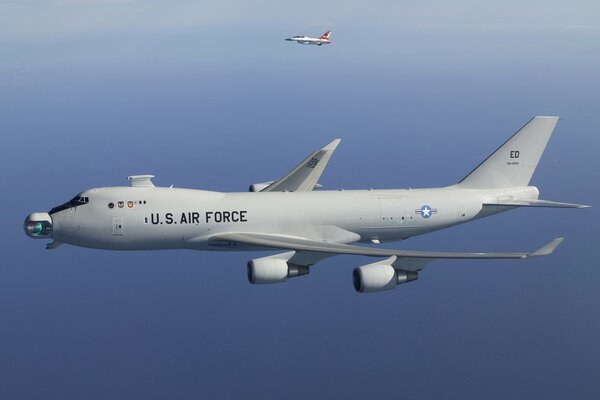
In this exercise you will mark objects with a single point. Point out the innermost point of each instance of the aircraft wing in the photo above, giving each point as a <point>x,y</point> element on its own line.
<point>304,177</point>
<point>534,203</point>
<point>313,246</point>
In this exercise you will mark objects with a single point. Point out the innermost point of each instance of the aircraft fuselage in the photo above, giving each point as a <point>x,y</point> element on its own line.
<point>308,225</point>
<point>136,218</point>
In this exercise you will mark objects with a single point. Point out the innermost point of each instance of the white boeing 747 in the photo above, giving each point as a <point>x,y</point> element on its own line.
<point>308,226</point>
<point>301,39</point>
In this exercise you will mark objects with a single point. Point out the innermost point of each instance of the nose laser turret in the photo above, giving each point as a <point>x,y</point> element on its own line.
<point>38,225</point>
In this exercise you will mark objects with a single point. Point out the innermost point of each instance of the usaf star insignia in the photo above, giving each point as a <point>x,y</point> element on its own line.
<point>426,211</point>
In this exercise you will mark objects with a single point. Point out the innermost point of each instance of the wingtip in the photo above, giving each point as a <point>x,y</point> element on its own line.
<point>332,145</point>
<point>547,249</point>
<point>547,116</point>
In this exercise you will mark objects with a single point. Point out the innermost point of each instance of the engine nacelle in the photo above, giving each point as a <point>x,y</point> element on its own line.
<point>257,187</point>
<point>378,277</point>
<point>273,270</point>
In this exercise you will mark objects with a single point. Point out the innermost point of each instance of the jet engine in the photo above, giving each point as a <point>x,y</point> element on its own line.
<point>273,270</point>
<point>378,277</point>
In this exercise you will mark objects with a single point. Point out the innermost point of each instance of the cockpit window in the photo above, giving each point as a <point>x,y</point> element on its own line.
<point>74,202</point>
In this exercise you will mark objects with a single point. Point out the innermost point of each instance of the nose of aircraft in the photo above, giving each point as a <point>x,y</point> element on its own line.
<point>38,225</point>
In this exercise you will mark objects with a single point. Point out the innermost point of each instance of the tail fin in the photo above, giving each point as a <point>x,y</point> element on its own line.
<point>325,35</point>
<point>514,162</point>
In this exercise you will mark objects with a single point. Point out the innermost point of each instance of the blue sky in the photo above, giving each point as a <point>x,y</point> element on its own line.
<point>208,95</point>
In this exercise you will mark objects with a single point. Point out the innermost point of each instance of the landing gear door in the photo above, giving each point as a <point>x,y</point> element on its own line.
<point>118,226</point>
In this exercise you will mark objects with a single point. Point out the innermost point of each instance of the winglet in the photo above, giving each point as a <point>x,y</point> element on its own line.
<point>332,146</point>
<point>303,178</point>
<point>547,249</point>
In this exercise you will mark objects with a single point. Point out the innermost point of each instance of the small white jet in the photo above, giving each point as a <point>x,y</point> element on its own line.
<point>301,39</point>
<point>309,226</point>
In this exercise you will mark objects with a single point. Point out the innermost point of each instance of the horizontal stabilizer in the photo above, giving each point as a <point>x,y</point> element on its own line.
<point>302,244</point>
<point>534,203</point>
